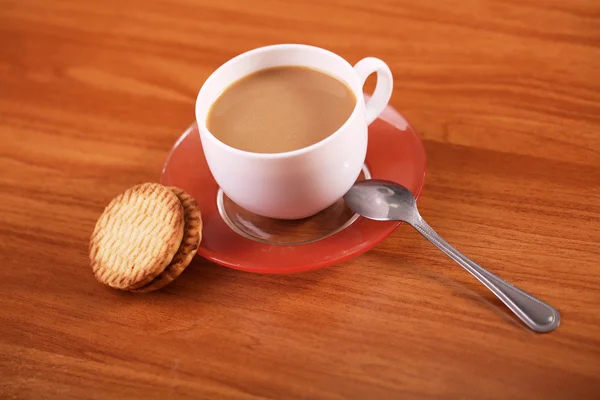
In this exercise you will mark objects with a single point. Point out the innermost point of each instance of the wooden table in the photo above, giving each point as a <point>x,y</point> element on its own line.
<point>506,95</point>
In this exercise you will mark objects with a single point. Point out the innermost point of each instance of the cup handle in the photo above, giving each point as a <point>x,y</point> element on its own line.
<point>383,90</point>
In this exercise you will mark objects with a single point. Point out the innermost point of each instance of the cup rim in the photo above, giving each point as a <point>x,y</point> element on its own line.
<point>204,131</point>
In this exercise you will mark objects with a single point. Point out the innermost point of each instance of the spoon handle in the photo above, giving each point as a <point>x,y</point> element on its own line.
<point>536,314</point>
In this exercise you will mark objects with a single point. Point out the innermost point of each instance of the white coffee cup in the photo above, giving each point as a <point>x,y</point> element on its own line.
<point>299,183</point>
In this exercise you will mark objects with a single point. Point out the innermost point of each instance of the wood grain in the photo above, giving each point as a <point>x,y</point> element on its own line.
<point>507,97</point>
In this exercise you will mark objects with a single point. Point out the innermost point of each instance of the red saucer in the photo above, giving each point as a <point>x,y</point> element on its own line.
<point>395,153</point>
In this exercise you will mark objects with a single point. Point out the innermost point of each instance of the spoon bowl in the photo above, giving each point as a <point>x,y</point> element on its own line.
<point>382,201</point>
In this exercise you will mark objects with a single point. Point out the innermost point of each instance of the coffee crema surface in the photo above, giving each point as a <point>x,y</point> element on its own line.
<point>280,109</point>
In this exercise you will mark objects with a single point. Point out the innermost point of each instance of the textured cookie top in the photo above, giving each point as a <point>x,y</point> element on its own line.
<point>136,236</point>
<point>192,236</point>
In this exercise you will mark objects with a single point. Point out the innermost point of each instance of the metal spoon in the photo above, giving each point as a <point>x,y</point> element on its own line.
<point>389,201</point>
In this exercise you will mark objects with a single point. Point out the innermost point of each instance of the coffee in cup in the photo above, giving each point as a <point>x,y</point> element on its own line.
<point>280,109</point>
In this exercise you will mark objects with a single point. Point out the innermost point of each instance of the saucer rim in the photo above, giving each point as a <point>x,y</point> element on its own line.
<point>214,256</point>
